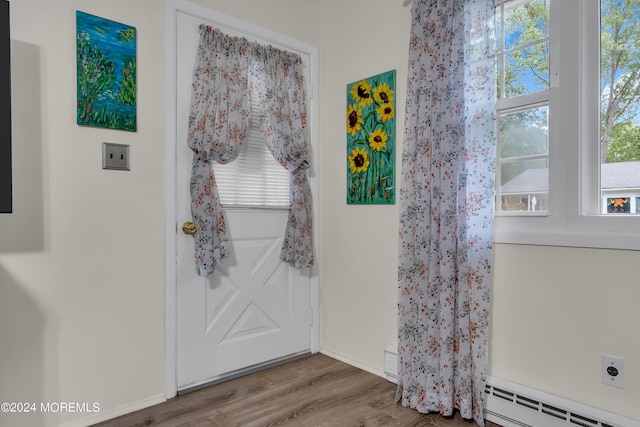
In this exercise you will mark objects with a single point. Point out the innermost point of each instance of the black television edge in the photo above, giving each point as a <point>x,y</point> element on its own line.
<point>6,203</point>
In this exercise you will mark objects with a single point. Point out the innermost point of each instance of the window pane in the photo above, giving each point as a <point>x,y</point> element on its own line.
<point>527,70</point>
<point>620,105</point>
<point>526,185</point>
<point>522,62</point>
<point>522,47</point>
<point>525,133</point>
<point>525,22</point>
<point>524,165</point>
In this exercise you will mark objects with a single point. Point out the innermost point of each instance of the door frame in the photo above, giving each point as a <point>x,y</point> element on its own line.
<point>172,8</point>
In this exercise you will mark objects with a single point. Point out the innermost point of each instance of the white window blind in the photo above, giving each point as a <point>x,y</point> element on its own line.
<point>255,179</point>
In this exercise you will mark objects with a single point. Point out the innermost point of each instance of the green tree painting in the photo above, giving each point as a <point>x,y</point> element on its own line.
<point>106,73</point>
<point>371,131</point>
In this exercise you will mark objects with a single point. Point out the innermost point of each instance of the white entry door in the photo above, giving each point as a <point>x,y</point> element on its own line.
<point>254,309</point>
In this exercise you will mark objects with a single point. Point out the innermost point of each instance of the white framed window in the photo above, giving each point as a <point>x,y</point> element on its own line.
<point>551,109</point>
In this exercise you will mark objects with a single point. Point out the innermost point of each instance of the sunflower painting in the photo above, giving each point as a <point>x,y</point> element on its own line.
<point>371,134</point>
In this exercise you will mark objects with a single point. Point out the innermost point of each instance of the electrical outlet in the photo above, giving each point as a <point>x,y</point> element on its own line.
<point>613,370</point>
<point>115,156</point>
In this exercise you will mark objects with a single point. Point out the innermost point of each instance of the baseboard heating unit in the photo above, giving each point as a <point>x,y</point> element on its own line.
<point>513,405</point>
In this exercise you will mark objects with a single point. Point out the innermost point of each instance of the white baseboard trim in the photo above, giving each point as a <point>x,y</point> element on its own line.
<point>353,362</point>
<point>116,412</point>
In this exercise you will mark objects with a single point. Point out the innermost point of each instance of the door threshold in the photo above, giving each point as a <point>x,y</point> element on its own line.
<point>246,371</point>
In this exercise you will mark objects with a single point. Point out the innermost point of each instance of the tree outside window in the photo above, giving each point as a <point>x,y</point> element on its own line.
<point>523,70</point>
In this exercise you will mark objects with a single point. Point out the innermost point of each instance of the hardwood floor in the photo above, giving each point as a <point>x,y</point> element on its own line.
<point>315,391</point>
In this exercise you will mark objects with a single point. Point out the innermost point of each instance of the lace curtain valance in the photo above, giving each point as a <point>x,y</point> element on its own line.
<point>228,72</point>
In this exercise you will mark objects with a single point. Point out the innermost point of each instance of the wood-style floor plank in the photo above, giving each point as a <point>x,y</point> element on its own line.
<point>317,391</point>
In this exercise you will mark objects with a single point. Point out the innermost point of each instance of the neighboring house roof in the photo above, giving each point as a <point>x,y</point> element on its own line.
<point>620,175</point>
<point>623,175</point>
<point>531,181</point>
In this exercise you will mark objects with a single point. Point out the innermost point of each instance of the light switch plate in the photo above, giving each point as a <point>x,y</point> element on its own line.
<point>115,156</point>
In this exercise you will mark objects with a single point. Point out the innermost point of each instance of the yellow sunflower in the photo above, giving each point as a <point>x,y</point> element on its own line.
<point>378,139</point>
<point>361,91</point>
<point>386,112</point>
<point>383,94</point>
<point>358,160</point>
<point>354,119</point>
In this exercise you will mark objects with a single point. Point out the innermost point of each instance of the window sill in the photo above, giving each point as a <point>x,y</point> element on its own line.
<point>581,237</point>
<point>521,214</point>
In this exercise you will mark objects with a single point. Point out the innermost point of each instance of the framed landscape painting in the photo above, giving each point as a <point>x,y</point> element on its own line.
<point>106,73</point>
<point>371,136</point>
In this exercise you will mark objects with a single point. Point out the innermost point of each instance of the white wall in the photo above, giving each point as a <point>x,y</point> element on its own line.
<point>555,311</point>
<point>81,259</point>
<point>359,243</point>
<point>294,18</point>
<point>81,278</point>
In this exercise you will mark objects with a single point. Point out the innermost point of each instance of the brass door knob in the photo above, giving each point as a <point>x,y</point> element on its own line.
<point>189,228</point>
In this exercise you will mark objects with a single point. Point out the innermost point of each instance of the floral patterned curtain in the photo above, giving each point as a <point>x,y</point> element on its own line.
<point>227,70</point>
<point>277,78</point>
<point>446,207</point>
<point>218,126</point>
